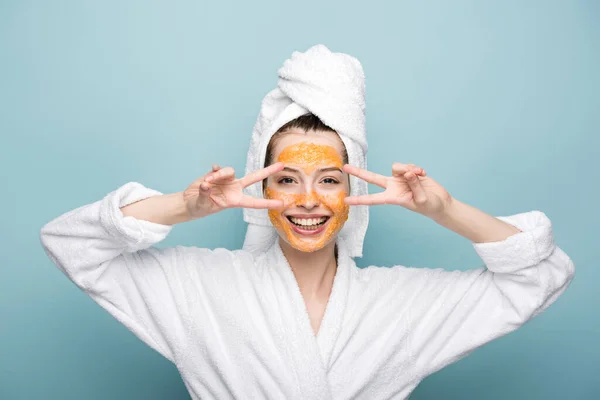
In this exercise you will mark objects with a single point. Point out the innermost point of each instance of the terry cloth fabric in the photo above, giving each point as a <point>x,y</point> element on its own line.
<point>236,325</point>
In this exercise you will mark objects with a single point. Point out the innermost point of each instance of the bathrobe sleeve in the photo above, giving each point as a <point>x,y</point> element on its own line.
<point>110,257</point>
<point>456,312</point>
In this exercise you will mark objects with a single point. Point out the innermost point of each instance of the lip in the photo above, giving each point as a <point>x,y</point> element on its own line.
<point>309,232</point>
<point>307,216</point>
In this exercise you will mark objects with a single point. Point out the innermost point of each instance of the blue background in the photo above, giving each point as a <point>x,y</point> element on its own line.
<point>498,101</point>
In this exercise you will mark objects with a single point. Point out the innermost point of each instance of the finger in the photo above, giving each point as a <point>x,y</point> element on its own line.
<point>254,202</point>
<point>399,169</point>
<point>199,181</point>
<point>368,199</point>
<point>417,170</point>
<point>365,175</point>
<point>419,194</point>
<point>261,174</point>
<point>205,187</point>
<point>215,168</point>
<point>224,173</point>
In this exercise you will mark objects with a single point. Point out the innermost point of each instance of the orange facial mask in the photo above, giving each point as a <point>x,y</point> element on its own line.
<point>309,157</point>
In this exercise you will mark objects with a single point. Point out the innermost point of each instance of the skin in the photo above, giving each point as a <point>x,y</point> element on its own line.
<point>315,186</point>
<point>309,190</point>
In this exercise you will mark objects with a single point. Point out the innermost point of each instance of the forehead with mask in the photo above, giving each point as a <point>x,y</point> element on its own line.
<point>312,185</point>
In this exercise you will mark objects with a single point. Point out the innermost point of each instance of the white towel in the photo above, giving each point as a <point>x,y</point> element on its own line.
<point>332,87</point>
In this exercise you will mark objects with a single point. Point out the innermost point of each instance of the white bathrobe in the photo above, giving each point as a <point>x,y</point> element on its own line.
<point>236,326</point>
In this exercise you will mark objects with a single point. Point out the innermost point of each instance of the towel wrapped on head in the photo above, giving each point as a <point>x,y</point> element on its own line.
<point>332,87</point>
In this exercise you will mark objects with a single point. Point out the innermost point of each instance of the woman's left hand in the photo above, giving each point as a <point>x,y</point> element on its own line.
<point>408,187</point>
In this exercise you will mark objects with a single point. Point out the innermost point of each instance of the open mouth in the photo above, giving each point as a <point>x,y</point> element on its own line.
<point>308,224</point>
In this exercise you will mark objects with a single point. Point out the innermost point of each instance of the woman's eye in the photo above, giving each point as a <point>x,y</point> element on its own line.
<point>285,180</point>
<point>330,181</point>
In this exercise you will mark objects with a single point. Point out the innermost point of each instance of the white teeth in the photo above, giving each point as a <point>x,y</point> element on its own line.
<point>308,221</point>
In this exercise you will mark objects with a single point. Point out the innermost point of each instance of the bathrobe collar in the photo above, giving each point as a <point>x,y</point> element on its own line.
<point>312,355</point>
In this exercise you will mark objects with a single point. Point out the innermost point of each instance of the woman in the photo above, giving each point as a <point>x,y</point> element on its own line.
<point>290,316</point>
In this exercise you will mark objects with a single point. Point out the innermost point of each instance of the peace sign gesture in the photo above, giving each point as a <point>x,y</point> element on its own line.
<point>219,189</point>
<point>408,187</point>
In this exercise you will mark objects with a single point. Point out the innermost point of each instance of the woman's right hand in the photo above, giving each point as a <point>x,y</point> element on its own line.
<point>219,189</point>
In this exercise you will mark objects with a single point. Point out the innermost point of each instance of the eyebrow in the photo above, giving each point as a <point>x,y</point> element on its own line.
<point>289,169</point>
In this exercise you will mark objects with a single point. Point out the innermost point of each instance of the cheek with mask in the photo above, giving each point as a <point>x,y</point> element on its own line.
<point>309,235</point>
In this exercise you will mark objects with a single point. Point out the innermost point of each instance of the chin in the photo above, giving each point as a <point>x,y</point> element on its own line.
<point>305,247</point>
<point>308,249</point>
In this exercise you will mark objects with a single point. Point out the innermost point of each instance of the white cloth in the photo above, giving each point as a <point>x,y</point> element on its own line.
<point>331,86</point>
<point>236,325</point>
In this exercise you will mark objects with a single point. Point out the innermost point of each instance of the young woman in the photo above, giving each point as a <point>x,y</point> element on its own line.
<point>296,319</point>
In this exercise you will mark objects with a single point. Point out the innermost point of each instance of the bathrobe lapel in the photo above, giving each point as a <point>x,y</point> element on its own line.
<point>310,356</point>
<point>331,324</point>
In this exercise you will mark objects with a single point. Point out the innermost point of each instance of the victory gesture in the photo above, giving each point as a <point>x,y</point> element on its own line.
<point>408,187</point>
<point>219,190</point>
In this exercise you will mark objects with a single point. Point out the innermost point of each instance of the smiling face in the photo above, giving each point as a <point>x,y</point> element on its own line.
<point>312,187</point>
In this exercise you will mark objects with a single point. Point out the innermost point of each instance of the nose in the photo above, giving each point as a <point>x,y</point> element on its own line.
<point>309,201</point>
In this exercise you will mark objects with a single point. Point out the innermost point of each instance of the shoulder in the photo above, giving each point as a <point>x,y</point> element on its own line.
<point>376,280</point>
<point>179,259</point>
<point>383,274</point>
<point>219,252</point>
<point>403,277</point>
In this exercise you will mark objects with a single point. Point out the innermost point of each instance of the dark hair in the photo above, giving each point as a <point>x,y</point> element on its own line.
<point>306,122</point>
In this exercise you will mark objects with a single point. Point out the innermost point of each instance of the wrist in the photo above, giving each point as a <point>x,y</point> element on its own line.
<point>449,212</point>
<point>179,212</point>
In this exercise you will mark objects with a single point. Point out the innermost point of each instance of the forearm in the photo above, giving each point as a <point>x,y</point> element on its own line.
<point>475,224</point>
<point>167,209</point>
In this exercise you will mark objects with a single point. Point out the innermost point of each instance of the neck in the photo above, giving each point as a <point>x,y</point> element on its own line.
<point>314,271</point>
